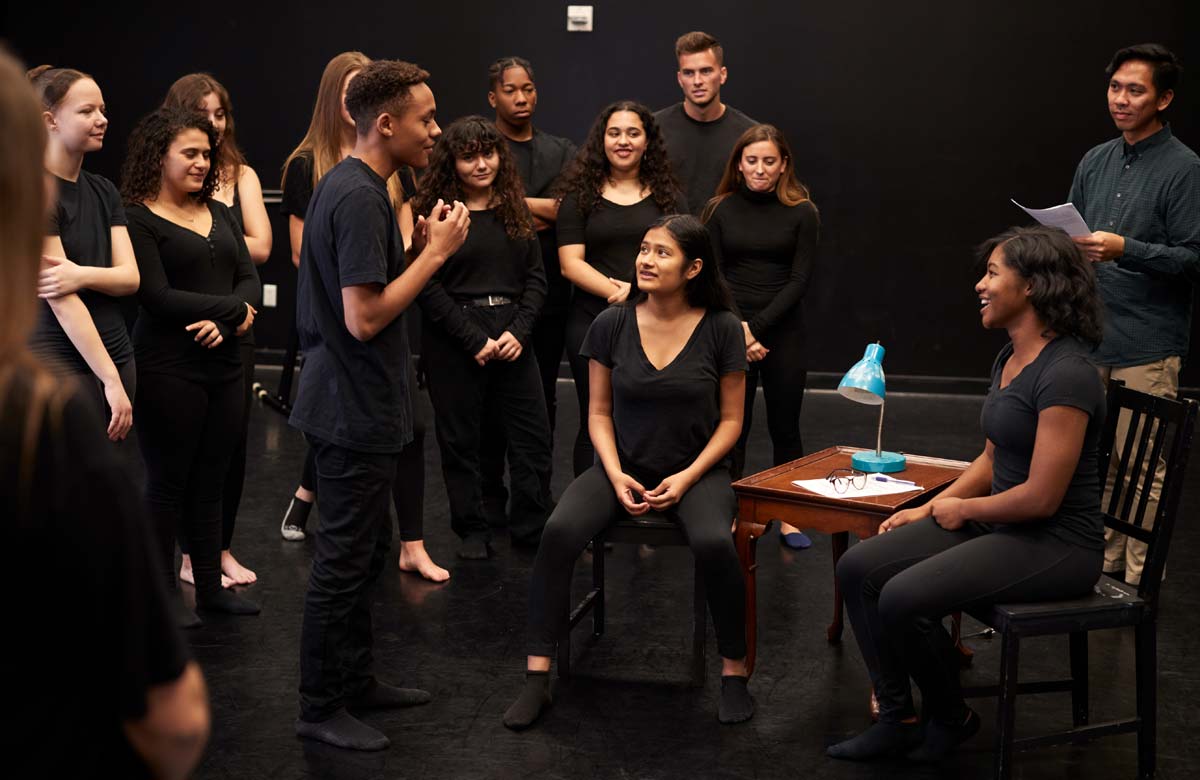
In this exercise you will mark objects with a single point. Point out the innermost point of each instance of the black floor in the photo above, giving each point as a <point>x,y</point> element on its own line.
<point>631,718</point>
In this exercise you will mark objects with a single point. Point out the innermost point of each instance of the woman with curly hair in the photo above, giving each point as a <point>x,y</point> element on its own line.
<point>479,310</point>
<point>239,189</point>
<point>1022,523</point>
<point>198,292</point>
<point>619,183</point>
<point>87,261</point>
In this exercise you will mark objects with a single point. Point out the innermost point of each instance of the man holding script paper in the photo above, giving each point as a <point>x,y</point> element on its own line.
<point>1140,193</point>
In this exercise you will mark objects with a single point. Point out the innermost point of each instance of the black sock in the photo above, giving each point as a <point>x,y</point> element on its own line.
<point>183,615</point>
<point>534,698</point>
<point>381,696</point>
<point>885,738</point>
<point>737,704</point>
<point>940,739</point>
<point>343,730</point>
<point>297,513</point>
<point>474,548</point>
<point>227,601</point>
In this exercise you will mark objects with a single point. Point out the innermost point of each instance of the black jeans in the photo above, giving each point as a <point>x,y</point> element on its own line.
<point>408,488</point>
<point>589,505</point>
<point>584,309</point>
<point>188,432</point>
<point>462,391</point>
<point>784,373</point>
<point>898,586</point>
<point>351,549</point>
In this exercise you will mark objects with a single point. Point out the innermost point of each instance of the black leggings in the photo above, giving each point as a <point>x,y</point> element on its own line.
<point>589,505</point>
<point>188,431</point>
<point>91,385</point>
<point>408,486</point>
<point>898,586</point>
<point>784,374</point>
<point>583,310</point>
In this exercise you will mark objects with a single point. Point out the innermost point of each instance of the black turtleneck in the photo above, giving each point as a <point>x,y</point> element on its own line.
<point>766,250</point>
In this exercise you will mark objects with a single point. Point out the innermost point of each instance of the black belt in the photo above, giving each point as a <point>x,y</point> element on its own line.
<point>490,300</point>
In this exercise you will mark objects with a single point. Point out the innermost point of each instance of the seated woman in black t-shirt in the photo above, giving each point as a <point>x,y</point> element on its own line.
<point>479,310</point>
<point>197,295</point>
<point>619,183</point>
<point>1022,523</point>
<point>667,371</point>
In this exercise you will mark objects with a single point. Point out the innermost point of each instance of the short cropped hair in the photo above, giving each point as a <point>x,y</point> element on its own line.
<point>1164,65</point>
<point>382,85</point>
<point>695,42</point>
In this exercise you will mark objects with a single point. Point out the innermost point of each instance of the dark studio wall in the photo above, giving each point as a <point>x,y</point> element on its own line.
<point>912,123</point>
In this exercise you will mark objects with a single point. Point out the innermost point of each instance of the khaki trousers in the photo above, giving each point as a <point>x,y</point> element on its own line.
<point>1160,378</point>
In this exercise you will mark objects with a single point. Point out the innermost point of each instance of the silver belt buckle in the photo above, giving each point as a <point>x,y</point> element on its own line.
<point>495,300</point>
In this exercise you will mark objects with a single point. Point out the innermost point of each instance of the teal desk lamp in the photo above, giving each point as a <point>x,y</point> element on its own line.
<point>864,383</point>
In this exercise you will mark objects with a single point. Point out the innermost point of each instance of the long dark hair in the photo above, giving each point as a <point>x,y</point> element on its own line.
<point>590,168</point>
<point>789,190</point>
<point>188,92</point>
<point>707,290</point>
<point>466,136</point>
<point>1063,282</point>
<point>141,173</point>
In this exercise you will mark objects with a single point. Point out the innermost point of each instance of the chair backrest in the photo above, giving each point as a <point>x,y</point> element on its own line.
<point>1158,428</point>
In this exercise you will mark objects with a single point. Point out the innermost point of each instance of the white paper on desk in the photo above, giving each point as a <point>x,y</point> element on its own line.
<point>823,487</point>
<point>1065,216</point>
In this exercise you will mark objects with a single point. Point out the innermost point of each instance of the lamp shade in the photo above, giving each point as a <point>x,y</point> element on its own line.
<point>864,383</point>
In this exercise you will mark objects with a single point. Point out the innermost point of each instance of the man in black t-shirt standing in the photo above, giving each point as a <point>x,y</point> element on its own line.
<point>540,158</point>
<point>701,131</point>
<point>354,401</point>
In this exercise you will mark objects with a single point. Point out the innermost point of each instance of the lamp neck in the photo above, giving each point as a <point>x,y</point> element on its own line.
<point>879,433</point>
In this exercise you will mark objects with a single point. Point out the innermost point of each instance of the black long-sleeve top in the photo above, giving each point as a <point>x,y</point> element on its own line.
<point>186,278</point>
<point>766,250</point>
<point>488,263</point>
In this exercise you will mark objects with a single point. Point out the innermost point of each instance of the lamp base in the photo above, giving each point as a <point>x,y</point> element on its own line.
<point>883,463</point>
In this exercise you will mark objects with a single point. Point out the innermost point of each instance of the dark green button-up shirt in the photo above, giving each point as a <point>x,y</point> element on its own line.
<point>1150,194</point>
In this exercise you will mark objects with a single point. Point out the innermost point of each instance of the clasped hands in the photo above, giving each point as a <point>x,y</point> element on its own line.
<point>507,347</point>
<point>949,513</point>
<point>755,351</point>
<point>208,334</point>
<point>636,500</point>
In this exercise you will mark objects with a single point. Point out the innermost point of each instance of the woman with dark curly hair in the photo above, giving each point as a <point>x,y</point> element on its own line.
<point>479,310</point>
<point>1022,523</point>
<point>197,293</point>
<point>619,183</point>
<point>238,188</point>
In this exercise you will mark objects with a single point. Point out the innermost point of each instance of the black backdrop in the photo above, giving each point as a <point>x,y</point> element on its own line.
<point>913,123</point>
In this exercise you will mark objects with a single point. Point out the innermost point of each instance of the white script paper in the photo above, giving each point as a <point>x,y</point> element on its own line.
<point>823,487</point>
<point>1065,216</point>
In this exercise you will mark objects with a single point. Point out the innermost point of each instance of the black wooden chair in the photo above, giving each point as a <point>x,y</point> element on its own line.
<point>653,529</point>
<point>1158,428</point>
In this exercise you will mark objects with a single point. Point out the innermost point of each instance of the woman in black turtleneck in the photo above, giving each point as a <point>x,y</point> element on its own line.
<point>765,230</point>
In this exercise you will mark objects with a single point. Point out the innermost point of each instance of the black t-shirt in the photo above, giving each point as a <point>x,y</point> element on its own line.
<point>93,630</point>
<point>1061,375</point>
<point>488,263</point>
<point>86,212</point>
<point>766,250</point>
<point>663,419</point>
<point>354,394</point>
<point>297,186</point>
<point>699,151</point>
<point>611,235</point>
<point>540,161</point>
<point>187,277</point>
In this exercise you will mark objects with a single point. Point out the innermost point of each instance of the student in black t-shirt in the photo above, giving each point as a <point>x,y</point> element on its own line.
<point>667,371</point>
<point>1022,523</point>
<point>540,159</point>
<point>354,402</point>
<point>479,310</point>
<point>700,131</point>
<point>239,189</point>
<point>87,261</point>
<point>765,229</point>
<point>197,293</point>
<point>619,183</point>
<point>304,168</point>
<point>132,703</point>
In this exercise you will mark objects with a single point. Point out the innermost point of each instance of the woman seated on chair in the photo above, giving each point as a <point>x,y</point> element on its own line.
<point>1022,523</point>
<point>667,378</point>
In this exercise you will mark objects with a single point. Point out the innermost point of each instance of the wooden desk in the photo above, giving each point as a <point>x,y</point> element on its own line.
<point>770,495</point>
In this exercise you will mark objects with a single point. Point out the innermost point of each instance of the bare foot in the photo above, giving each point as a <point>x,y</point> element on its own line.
<point>414,558</point>
<point>185,574</point>
<point>235,571</point>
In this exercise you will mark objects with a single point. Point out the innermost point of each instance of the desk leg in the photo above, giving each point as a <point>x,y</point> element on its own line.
<point>841,542</point>
<point>745,536</point>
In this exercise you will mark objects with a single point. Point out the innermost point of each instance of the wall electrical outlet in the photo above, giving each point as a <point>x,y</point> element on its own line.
<point>579,18</point>
<point>270,292</point>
